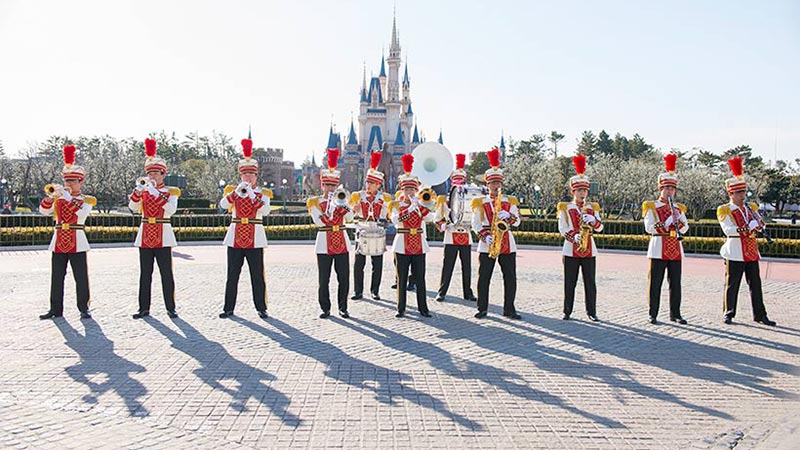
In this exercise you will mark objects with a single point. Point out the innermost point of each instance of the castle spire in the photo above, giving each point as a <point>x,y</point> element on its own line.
<point>395,39</point>
<point>383,66</point>
<point>441,141</point>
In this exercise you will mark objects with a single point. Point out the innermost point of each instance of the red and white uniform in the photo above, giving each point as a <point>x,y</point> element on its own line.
<point>332,239</point>
<point>241,232</point>
<point>664,243</point>
<point>370,207</point>
<point>454,234</point>
<point>411,238</point>
<point>569,225</point>
<point>741,244</point>
<point>155,231</point>
<point>482,214</point>
<point>66,213</point>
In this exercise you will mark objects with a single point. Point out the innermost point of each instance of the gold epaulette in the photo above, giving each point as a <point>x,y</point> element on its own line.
<point>595,206</point>
<point>267,193</point>
<point>440,200</point>
<point>228,189</point>
<point>355,197</point>
<point>647,205</point>
<point>477,202</point>
<point>753,206</point>
<point>387,197</point>
<point>723,211</point>
<point>397,195</point>
<point>682,207</point>
<point>174,191</point>
<point>561,207</point>
<point>393,205</point>
<point>312,202</point>
<point>513,200</point>
<point>90,200</point>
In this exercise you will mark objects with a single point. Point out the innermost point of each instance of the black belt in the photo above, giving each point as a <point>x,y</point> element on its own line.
<point>411,231</point>
<point>69,226</point>
<point>245,220</point>
<point>333,228</point>
<point>155,220</point>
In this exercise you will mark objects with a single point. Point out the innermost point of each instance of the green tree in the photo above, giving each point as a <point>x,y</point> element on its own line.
<point>555,137</point>
<point>476,168</point>
<point>604,145</point>
<point>587,145</point>
<point>533,147</point>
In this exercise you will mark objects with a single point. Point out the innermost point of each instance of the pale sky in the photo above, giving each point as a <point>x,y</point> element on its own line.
<point>683,74</point>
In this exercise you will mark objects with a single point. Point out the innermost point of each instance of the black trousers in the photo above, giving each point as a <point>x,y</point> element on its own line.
<point>588,267</point>
<point>416,264</point>
<point>341,264</point>
<point>255,262</point>
<point>508,264</point>
<point>450,254</point>
<point>59,271</point>
<point>358,274</point>
<point>656,279</point>
<point>163,256</point>
<point>733,278</point>
<point>411,277</point>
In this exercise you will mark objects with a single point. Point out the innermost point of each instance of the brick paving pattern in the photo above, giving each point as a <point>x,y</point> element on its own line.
<point>374,381</point>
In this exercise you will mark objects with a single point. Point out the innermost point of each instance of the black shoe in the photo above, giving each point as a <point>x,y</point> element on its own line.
<point>653,320</point>
<point>425,314</point>
<point>514,316</point>
<point>680,320</point>
<point>400,315</point>
<point>566,317</point>
<point>439,298</point>
<point>49,315</point>
<point>325,314</point>
<point>86,315</point>
<point>263,314</point>
<point>765,320</point>
<point>411,287</point>
<point>593,318</point>
<point>172,314</point>
<point>375,296</point>
<point>344,314</point>
<point>470,298</point>
<point>356,297</point>
<point>225,314</point>
<point>728,320</point>
<point>141,314</point>
<point>394,286</point>
<point>480,314</point>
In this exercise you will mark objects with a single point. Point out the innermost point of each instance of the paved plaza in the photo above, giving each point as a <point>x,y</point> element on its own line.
<point>375,381</point>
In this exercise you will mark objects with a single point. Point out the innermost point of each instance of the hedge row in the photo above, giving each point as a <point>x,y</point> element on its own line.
<point>785,248</point>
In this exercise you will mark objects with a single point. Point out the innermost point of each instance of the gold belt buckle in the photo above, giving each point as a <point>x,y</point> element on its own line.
<point>412,231</point>
<point>335,228</point>
<point>245,220</point>
<point>65,226</point>
<point>151,220</point>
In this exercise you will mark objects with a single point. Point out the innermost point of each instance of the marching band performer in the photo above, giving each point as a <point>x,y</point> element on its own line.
<point>246,238</point>
<point>740,221</point>
<point>155,238</point>
<point>70,208</point>
<point>370,205</point>
<point>577,220</point>
<point>410,244</point>
<point>666,221</point>
<point>457,239</point>
<point>329,212</point>
<point>492,218</point>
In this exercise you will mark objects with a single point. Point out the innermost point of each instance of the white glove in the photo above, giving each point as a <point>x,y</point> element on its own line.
<point>577,239</point>
<point>753,224</point>
<point>443,227</point>
<point>504,215</point>
<point>63,193</point>
<point>251,194</point>
<point>488,239</point>
<point>588,218</point>
<point>138,187</point>
<point>668,222</point>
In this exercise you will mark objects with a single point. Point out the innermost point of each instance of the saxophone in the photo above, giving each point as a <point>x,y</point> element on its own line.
<point>586,231</point>
<point>498,227</point>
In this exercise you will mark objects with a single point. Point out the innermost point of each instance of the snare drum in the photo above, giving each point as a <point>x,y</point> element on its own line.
<point>371,241</point>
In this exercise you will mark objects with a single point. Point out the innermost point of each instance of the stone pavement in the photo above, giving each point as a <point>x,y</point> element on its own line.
<point>374,381</point>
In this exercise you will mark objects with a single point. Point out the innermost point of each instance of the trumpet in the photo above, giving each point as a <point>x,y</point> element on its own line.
<point>764,233</point>
<point>335,199</point>
<point>51,189</point>
<point>676,220</point>
<point>142,182</point>
<point>242,190</point>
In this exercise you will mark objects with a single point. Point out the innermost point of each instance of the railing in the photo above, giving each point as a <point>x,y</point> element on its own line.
<point>703,237</point>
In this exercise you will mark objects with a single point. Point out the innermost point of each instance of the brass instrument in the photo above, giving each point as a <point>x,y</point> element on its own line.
<point>758,217</point>
<point>242,190</point>
<point>675,220</point>
<point>498,228</point>
<point>586,231</point>
<point>143,182</point>
<point>426,195</point>
<point>457,204</point>
<point>335,199</point>
<point>51,190</point>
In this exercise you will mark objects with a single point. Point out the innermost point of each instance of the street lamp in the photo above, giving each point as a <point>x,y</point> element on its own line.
<point>221,186</point>
<point>4,197</point>
<point>283,194</point>
<point>537,192</point>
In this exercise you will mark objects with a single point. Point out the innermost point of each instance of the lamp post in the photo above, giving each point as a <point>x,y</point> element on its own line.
<point>283,194</point>
<point>4,197</point>
<point>221,186</point>
<point>536,195</point>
